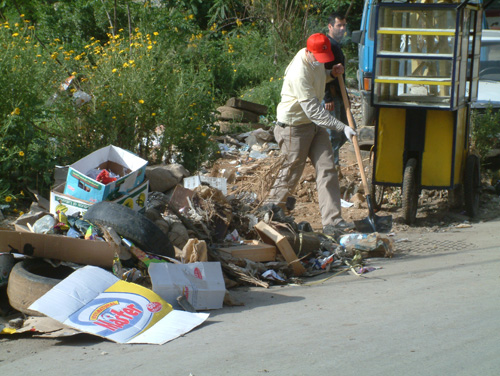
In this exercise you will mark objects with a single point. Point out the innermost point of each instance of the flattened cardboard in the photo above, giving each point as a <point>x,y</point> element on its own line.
<point>58,247</point>
<point>94,301</point>
<point>253,250</point>
<point>127,165</point>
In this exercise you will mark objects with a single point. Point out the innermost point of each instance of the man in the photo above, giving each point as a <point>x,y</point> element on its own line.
<point>332,100</point>
<point>301,131</point>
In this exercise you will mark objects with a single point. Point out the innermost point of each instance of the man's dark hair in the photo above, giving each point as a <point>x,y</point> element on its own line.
<point>333,16</point>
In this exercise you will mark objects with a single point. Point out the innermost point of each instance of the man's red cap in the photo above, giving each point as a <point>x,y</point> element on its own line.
<point>319,45</point>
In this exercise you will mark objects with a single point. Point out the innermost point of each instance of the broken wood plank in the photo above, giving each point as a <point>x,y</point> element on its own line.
<point>252,250</point>
<point>270,235</point>
<point>245,105</point>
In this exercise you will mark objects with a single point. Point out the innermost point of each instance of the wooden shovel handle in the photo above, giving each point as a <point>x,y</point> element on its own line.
<point>350,119</point>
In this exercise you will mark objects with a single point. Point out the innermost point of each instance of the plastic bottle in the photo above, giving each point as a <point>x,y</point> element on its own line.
<point>45,224</point>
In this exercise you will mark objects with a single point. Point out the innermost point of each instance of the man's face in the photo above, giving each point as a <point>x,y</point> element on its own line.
<point>337,30</point>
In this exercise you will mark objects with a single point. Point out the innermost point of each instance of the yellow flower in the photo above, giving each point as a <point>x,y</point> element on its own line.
<point>21,213</point>
<point>16,111</point>
<point>114,117</point>
<point>125,65</point>
<point>15,34</point>
<point>22,193</point>
<point>156,33</point>
<point>150,47</point>
<point>153,114</point>
<point>8,199</point>
<point>21,153</point>
<point>203,134</point>
<point>271,79</point>
<point>141,101</point>
<point>238,22</point>
<point>114,70</point>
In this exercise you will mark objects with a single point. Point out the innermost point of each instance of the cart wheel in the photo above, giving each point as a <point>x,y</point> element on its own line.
<point>410,192</point>
<point>376,191</point>
<point>472,183</point>
<point>456,197</point>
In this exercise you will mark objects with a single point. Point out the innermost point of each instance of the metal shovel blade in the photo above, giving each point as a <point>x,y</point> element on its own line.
<point>373,223</point>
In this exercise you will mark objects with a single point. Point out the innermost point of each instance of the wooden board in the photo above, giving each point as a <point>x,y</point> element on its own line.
<point>253,250</point>
<point>245,105</point>
<point>271,236</point>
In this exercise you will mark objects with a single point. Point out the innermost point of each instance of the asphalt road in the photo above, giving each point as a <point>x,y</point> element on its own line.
<point>431,310</point>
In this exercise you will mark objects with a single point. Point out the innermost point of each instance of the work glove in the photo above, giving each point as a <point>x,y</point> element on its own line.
<point>349,133</point>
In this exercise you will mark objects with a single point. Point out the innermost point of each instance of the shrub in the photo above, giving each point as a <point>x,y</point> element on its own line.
<point>485,130</point>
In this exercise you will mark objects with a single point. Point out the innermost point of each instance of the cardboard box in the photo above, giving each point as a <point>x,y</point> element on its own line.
<point>201,283</point>
<point>58,247</point>
<point>252,250</point>
<point>128,166</point>
<point>136,199</point>
<point>194,181</point>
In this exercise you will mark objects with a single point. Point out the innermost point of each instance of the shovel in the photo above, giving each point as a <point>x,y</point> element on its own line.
<point>372,223</point>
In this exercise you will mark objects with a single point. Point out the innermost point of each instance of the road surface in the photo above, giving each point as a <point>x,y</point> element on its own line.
<point>434,309</point>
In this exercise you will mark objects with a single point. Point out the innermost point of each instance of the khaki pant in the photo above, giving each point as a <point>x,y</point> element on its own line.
<point>297,143</point>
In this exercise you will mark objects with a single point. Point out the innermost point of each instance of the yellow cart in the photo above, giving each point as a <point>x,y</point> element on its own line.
<point>426,65</point>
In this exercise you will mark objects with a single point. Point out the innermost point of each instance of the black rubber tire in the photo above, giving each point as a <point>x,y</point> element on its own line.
<point>367,111</point>
<point>131,225</point>
<point>31,279</point>
<point>472,184</point>
<point>377,194</point>
<point>456,197</point>
<point>410,192</point>
<point>376,191</point>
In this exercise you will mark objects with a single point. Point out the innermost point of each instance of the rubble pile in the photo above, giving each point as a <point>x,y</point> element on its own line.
<point>176,242</point>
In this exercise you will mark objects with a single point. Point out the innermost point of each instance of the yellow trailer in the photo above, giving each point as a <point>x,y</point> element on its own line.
<point>426,65</point>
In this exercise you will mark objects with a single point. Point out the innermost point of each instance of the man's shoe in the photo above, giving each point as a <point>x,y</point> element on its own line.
<point>343,225</point>
<point>331,230</point>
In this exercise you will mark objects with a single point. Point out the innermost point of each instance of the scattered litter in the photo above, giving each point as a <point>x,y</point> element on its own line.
<point>272,275</point>
<point>345,204</point>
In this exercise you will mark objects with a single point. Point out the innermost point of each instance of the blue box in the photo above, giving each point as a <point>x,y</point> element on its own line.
<point>129,167</point>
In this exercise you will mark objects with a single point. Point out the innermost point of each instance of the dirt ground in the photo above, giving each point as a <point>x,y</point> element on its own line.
<point>434,211</point>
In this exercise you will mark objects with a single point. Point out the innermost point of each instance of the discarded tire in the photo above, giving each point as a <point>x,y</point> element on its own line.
<point>131,225</point>
<point>410,192</point>
<point>31,279</point>
<point>472,184</point>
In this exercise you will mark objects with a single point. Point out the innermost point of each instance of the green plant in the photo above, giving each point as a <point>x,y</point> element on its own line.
<point>485,130</point>
<point>153,74</point>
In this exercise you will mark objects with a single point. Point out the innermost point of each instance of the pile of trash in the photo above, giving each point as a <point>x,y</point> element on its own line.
<point>151,244</point>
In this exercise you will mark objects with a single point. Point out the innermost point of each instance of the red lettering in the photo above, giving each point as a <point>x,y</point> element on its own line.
<point>132,310</point>
<point>120,314</point>
<point>107,325</point>
<point>119,322</point>
<point>118,319</point>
